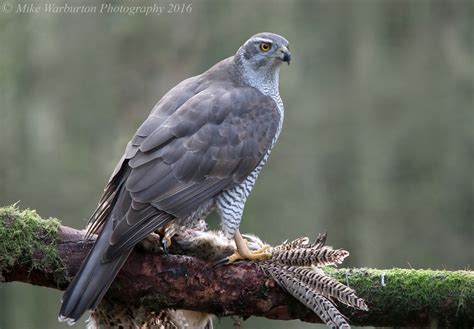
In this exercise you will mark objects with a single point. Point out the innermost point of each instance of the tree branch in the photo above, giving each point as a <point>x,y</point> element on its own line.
<point>44,253</point>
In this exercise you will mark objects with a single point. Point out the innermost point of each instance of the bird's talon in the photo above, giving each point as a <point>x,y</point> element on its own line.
<point>167,234</point>
<point>166,244</point>
<point>233,258</point>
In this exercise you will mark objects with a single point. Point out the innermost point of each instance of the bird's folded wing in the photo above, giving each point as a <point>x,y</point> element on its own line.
<point>176,163</point>
<point>212,142</point>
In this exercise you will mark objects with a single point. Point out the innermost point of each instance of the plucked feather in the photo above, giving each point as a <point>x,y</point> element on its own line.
<point>302,253</point>
<point>320,305</point>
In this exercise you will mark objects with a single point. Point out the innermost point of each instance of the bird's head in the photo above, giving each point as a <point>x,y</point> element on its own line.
<point>264,53</point>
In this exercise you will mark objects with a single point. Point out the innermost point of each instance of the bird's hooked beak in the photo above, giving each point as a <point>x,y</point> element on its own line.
<point>284,54</point>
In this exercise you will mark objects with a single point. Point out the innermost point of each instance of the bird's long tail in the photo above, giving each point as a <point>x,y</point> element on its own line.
<point>92,280</point>
<point>97,273</point>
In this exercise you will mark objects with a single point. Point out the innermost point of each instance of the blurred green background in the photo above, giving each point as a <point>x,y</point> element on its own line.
<point>377,148</point>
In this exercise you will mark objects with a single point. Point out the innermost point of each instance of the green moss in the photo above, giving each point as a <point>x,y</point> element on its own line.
<point>409,291</point>
<point>24,231</point>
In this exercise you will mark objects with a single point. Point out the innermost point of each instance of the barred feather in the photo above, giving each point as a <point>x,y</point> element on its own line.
<point>308,256</point>
<point>297,243</point>
<point>303,242</point>
<point>319,242</point>
<point>327,286</point>
<point>320,305</point>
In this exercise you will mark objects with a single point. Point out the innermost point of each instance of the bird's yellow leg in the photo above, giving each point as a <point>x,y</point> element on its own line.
<point>243,251</point>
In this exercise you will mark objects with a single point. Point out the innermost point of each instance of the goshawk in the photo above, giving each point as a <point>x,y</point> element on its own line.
<point>202,147</point>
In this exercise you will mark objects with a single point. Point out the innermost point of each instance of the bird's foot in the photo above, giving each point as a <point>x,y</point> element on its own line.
<point>166,243</point>
<point>244,253</point>
<point>166,235</point>
<point>256,255</point>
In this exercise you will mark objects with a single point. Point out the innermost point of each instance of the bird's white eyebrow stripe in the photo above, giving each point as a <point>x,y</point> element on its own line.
<point>263,40</point>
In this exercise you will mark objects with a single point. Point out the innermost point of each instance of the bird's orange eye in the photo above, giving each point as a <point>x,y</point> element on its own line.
<point>265,46</point>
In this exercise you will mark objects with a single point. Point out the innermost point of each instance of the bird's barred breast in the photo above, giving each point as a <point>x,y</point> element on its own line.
<point>230,203</point>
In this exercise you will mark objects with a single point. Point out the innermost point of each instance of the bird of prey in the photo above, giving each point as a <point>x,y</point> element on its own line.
<point>201,148</point>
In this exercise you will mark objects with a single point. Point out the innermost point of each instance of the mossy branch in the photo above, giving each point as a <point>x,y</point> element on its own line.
<point>42,252</point>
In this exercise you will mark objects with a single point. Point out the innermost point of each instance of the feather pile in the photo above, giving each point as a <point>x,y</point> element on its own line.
<point>297,267</point>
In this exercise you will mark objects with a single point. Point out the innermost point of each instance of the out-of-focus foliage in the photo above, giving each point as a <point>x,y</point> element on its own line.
<point>378,141</point>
